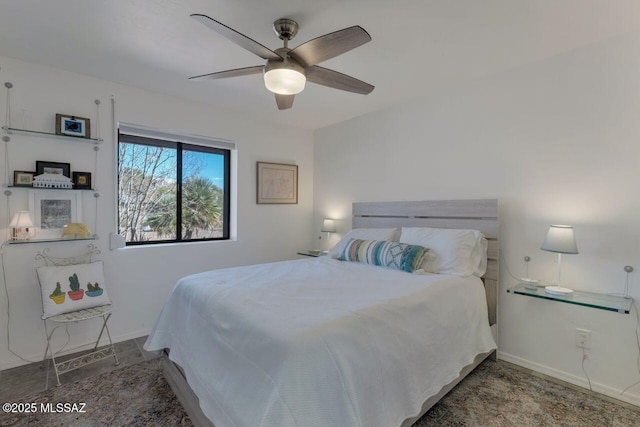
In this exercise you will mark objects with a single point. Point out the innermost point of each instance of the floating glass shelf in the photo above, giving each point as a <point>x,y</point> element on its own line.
<point>53,240</point>
<point>29,187</point>
<point>586,299</point>
<point>10,131</point>
<point>314,254</point>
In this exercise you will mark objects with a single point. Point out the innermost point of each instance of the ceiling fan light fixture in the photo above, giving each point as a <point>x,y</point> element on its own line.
<point>284,81</point>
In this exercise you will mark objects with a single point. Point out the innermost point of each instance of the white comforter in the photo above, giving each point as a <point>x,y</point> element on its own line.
<point>320,342</point>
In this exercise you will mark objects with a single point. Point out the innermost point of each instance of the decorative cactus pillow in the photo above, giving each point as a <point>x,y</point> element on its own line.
<point>72,288</point>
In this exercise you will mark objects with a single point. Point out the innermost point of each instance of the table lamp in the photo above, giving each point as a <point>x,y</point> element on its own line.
<point>20,225</point>
<point>328,226</point>
<point>561,240</point>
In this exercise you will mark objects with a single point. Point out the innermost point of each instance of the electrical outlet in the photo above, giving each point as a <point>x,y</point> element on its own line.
<point>583,338</point>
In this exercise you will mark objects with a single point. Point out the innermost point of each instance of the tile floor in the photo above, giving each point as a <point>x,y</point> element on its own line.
<point>19,382</point>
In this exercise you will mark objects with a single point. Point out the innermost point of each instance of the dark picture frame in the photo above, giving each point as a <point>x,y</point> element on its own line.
<point>82,180</point>
<point>23,178</point>
<point>53,167</point>
<point>69,125</point>
<point>277,183</point>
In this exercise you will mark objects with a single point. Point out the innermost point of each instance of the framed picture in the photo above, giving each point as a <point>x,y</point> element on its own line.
<point>277,183</point>
<point>82,180</point>
<point>53,167</point>
<point>52,210</point>
<point>23,178</point>
<point>73,126</point>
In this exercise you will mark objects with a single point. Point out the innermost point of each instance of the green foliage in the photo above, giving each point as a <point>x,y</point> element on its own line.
<point>74,284</point>
<point>57,291</point>
<point>162,218</point>
<point>201,209</point>
<point>93,288</point>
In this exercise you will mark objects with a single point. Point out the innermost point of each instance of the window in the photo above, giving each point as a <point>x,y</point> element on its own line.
<point>171,190</point>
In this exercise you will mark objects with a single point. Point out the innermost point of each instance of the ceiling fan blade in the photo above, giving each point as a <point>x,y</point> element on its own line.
<point>284,101</point>
<point>230,73</point>
<point>336,80</point>
<point>329,46</point>
<point>236,37</point>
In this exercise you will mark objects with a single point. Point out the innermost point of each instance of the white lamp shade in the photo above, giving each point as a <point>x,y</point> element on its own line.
<point>284,81</point>
<point>328,226</point>
<point>21,219</point>
<point>560,239</point>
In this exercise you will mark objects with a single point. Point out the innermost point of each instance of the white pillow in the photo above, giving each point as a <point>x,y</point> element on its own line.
<point>479,254</point>
<point>65,299</point>
<point>453,251</point>
<point>363,234</point>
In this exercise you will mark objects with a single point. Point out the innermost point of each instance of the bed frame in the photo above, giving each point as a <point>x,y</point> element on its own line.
<point>479,215</point>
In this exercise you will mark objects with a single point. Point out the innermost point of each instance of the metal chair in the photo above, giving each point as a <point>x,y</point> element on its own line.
<point>76,316</point>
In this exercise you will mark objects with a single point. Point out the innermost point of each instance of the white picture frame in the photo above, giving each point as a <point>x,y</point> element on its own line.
<point>51,210</point>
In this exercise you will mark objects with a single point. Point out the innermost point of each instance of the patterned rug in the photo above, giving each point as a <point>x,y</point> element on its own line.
<point>493,395</point>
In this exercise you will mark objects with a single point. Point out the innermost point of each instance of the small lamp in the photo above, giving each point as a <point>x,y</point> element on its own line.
<point>328,226</point>
<point>20,224</point>
<point>561,240</point>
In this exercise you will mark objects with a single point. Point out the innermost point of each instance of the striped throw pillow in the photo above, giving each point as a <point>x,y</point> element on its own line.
<point>400,256</point>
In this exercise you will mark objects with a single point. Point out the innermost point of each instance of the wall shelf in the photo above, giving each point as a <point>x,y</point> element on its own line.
<point>26,187</point>
<point>313,254</point>
<point>25,242</point>
<point>36,198</point>
<point>10,131</point>
<point>586,299</point>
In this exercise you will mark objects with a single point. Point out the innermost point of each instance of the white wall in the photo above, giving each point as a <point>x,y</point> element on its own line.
<point>139,278</point>
<point>557,141</point>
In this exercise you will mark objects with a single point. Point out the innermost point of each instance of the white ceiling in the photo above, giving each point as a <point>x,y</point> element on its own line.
<point>418,45</point>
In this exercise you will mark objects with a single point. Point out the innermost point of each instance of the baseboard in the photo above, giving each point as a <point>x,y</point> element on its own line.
<point>37,357</point>
<point>614,393</point>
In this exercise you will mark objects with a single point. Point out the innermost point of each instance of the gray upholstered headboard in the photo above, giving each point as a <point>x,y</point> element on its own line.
<point>481,215</point>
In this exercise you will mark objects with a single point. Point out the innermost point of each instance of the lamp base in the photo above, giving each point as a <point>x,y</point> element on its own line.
<point>558,290</point>
<point>20,234</point>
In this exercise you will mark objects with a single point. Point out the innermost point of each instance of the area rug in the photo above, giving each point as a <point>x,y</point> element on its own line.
<point>493,395</point>
<point>137,395</point>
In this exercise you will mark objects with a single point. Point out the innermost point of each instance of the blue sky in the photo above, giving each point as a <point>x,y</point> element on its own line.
<point>213,167</point>
<point>208,165</point>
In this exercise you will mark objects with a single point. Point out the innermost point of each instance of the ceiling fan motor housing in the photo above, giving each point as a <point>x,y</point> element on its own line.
<point>285,28</point>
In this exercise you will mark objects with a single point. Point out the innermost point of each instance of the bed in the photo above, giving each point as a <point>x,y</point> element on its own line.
<point>322,342</point>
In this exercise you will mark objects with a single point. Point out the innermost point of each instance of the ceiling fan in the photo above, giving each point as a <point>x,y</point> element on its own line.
<point>287,70</point>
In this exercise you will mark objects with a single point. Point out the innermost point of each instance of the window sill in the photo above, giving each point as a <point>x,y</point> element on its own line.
<point>174,244</point>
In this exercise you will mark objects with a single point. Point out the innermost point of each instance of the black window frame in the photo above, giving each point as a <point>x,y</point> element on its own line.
<point>180,147</point>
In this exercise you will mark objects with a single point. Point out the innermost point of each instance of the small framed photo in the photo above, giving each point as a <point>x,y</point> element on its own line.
<point>82,180</point>
<point>73,126</point>
<point>23,178</point>
<point>277,183</point>
<point>53,167</point>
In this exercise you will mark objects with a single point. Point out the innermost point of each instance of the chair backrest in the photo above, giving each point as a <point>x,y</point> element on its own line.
<point>62,282</point>
<point>85,258</point>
